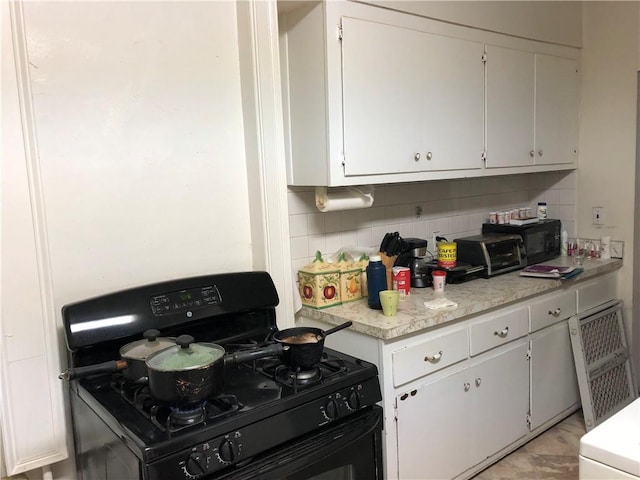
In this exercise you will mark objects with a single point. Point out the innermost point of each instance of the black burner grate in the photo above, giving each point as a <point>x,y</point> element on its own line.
<point>169,418</point>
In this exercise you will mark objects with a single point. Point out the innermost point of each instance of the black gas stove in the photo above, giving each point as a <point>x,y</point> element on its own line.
<point>267,421</point>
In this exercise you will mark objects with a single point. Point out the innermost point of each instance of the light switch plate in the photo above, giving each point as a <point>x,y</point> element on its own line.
<point>617,248</point>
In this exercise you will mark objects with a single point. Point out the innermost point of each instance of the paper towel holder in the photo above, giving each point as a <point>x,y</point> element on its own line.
<point>330,199</point>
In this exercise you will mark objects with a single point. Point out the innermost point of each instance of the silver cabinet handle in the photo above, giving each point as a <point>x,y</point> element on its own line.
<point>540,152</point>
<point>433,358</point>
<point>478,381</point>
<point>429,155</point>
<point>467,386</point>
<point>555,313</point>
<point>416,157</point>
<point>502,333</point>
<point>532,154</point>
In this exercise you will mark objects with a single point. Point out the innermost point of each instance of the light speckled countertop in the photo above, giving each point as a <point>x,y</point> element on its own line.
<point>473,297</point>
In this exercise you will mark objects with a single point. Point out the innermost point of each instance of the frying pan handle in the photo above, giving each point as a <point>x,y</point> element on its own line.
<point>249,355</point>
<point>339,327</point>
<point>107,367</point>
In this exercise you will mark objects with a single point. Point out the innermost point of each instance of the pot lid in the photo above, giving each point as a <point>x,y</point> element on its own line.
<point>141,349</point>
<point>185,355</point>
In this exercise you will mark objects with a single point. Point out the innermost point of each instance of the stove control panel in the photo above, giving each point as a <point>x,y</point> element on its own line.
<point>185,301</point>
<point>344,402</point>
<point>237,446</point>
<point>212,456</point>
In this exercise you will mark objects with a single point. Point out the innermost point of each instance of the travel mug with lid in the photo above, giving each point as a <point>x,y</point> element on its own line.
<point>376,281</point>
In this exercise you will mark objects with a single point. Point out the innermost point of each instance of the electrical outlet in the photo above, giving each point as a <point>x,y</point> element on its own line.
<point>598,216</point>
<point>433,239</point>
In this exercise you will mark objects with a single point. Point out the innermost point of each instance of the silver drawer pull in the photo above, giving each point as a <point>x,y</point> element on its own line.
<point>433,358</point>
<point>503,333</point>
<point>478,381</point>
<point>467,386</point>
<point>556,312</point>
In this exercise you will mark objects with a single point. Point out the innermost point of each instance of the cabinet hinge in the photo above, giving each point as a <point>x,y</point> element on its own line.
<point>484,58</point>
<point>529,354</point>
<point>529,420</point>
<point>483,155</point>
<point>395,413</point>
<point>339,32</point>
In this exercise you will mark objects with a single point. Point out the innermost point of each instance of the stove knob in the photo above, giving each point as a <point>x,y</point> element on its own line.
<point>353,400</point>
<point>228,451</point>
<point>196,464</point>
<point>331,409</point>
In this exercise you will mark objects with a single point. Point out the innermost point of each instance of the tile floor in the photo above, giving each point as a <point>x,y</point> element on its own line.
<point>551,455</point>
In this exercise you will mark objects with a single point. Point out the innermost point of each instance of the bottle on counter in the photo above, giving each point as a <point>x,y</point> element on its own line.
<point>542,210</point>
<point>376,281</point>
<point>564,243</point>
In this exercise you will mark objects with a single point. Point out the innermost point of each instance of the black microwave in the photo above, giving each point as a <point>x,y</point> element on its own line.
<point>541,240</point>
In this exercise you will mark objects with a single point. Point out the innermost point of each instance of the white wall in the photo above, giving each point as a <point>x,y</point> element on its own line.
<point>607,169</point>
<point>140,142</point>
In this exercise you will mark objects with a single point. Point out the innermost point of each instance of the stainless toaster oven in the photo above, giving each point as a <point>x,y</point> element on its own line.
<point>498,253</point>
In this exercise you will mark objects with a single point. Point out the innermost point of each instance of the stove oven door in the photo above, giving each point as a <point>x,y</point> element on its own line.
<point>347,450</point>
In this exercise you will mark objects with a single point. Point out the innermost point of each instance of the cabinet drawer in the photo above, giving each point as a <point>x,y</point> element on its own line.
<point>498,329</point>
<point>429,356</point>
<point>597,292</point>
<point>552,308</point>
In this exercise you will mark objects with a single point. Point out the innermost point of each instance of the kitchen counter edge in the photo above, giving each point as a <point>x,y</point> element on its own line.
<point>473,298</point>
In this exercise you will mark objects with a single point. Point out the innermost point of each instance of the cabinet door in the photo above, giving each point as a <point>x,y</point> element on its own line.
<point>433,429</point>
<point>510,107</point>
<point>500,393</point>
<point>554,385</point>
<point>412,101</point>
<point>556,110</point>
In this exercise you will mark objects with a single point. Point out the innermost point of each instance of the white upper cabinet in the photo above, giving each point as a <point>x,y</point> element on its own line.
<point>374,96</point>
<point>404,94</point>
<point>556,110</point>
<point>510,107</point>
<point>532,108</point>
<point>380,96</point>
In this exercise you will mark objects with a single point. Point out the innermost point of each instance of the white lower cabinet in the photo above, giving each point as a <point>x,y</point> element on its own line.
<point>459,397</point>
<point>554,384</point>
<point>451,424</point>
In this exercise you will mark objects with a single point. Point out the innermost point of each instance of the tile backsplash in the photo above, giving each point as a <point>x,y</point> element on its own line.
<point>454,208</point>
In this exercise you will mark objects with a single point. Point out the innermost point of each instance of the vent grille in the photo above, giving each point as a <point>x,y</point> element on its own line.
<point>603,364</point>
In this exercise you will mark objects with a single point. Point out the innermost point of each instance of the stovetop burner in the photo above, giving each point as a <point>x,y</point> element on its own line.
<point>297,378</point>
<point>169,418</point>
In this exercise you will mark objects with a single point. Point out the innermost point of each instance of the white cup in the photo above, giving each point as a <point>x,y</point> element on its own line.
<point>439,277</point>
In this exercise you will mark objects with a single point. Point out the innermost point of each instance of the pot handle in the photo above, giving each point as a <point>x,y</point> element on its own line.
<point>248,355</point>
<point>106,367</point>
<point>339,327</point>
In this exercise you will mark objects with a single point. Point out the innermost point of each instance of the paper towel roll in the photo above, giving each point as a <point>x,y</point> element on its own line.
<point>344,198</point>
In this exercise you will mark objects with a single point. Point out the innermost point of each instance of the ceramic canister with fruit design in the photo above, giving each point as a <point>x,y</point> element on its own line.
<point>363,262</point>
<point>319,283</point>
<point>350,278</point>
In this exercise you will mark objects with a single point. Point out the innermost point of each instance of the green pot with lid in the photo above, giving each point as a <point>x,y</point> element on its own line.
<point>188,373</point>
